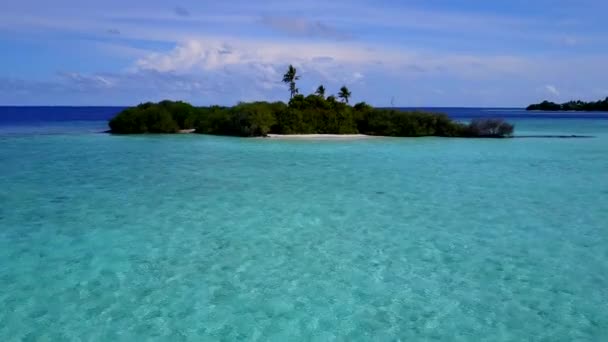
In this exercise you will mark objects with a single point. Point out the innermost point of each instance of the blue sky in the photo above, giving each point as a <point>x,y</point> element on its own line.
<point>418,53</point>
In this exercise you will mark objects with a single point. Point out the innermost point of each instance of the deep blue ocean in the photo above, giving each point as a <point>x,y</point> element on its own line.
<point>204,238</point>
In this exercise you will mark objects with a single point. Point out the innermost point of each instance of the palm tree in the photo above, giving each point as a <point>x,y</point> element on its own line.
<point>344,94</point>
<point>291,77</point>
<point>320,91</point>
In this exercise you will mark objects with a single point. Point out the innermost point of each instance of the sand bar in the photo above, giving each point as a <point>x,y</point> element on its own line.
<point>318,136</point>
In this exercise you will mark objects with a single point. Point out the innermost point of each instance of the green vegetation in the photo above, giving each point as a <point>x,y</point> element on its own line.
<point>303,115</point>
<point>164,117</point>
<point>490,128</point>
<point>598,106</point>
<point>312,114</point>
<point>320,91</point>
<point>290,78</point>
<point>344,94</point>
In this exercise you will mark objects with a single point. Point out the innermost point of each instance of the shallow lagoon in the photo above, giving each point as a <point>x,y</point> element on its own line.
<point>208,238</point>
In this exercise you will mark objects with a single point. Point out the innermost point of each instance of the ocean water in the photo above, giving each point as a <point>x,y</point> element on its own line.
<point>199,238</point>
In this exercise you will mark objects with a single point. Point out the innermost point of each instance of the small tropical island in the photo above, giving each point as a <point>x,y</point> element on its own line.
<point>579,106</point>
<point>312,114</point>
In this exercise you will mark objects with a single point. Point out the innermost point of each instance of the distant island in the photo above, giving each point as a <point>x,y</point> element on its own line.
<point>311,114</point>
<point>598,106</point>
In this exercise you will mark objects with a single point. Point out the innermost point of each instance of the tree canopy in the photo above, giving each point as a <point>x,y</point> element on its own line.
<point>302,115</point>
<point>344,94</point>
<point>290,78</point>
<point>320,91</point>
<point>312,114</point>
<point>601,105</point>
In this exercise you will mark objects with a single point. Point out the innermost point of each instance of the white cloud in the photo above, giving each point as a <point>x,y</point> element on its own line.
<point>552,90</point>
<point>212,53</point>
<point>328,60</point>
<point>412,44</point>
<point>88,81</point>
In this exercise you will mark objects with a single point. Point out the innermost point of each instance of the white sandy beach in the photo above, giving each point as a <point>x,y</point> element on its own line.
<point>186,131</point>
<point>319,136</point>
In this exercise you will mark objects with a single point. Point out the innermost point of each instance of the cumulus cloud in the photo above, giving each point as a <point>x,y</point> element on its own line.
<point>258,60</point>
<point>206,54</point>
<point>172,54</point>
<point>251,68</point>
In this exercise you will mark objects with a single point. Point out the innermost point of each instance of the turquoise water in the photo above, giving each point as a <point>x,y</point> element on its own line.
<point>199,238</point>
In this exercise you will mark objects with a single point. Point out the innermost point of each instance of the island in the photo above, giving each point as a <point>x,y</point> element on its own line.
<point>316,114</point>
<point>597,106</point>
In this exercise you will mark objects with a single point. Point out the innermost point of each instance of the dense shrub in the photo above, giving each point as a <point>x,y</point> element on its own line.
<point>162,117</point>
<point>571,106</point>
<point>303,115</point>
<point>184,114</point>
<point>411,124</point>
<point>489,128</point>
<point>312,114</point>
<point>244,119</point>
<point>146,118</point>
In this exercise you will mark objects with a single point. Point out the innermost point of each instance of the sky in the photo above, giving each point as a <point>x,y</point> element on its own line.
<point>418,53</point>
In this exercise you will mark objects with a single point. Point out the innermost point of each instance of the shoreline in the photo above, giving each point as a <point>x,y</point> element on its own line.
<point>319,136</point>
